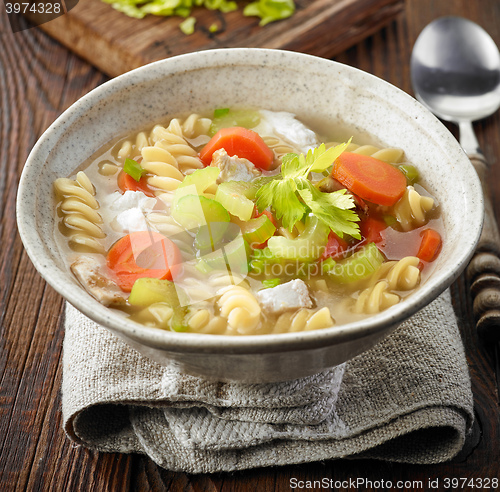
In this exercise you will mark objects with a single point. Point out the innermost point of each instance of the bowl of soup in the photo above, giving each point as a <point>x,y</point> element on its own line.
<point>249,214</point>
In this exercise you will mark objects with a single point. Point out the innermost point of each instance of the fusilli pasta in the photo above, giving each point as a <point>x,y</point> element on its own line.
<point>412,209</point>
<point>279,147</point>
<point>129,149</point>
<point>303,320</point>
<point>172,140</point>
<point>79,208</point>
<point>167,226</point>
<point>389,154</point>
<point>402,275</point>
<point>241,309</point>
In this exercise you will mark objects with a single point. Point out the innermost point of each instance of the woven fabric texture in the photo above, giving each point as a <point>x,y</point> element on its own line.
<point>408,399</point>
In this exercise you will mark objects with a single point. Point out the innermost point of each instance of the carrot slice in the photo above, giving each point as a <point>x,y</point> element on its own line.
<point>371,230</point>
<point>143,254</point>
<point>430,246</point>
<point>127,182</point>
<point>241,142</point>
<point>335,247</point>
<point>371,179</point>
<point>270,216</point>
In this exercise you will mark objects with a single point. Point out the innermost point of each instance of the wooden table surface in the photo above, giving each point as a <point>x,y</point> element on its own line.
<point>38,80</point>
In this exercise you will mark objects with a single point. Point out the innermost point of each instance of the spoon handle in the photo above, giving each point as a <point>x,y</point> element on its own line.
<point>484,269</point>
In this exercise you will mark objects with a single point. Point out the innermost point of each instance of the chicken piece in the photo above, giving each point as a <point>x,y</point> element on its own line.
<point>233,168</point>
<point>291,130</point>
<point>87,270</point>
<point>292,295</point>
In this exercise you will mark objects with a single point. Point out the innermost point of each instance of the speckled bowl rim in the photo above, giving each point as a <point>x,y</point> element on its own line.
<point>200,343</point>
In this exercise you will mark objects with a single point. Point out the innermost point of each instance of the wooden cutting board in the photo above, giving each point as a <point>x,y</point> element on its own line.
<point>115,43</point>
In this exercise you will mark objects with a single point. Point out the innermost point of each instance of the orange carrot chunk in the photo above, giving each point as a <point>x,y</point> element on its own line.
<point>143,254</point>
<point>371,230</point>
<point>241,142</point>
<point>430,246</point>
<point>371,179</point>
<point>127,182</point>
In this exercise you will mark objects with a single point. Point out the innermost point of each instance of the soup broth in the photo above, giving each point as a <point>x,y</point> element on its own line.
<point>247,222</point>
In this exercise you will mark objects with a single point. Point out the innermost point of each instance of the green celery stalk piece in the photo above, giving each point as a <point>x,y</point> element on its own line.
<point>231,196</point>
<point>233,257</point>
<point>258,230</point>
<point>148,291</point>
<point>410,172</point>
<point>246,118</point>
<point>187,25</point>
<point>360,265</point>
<point>269,283</point>
<point>133,169</point>
<point>328,265</point>
<point>196,183</point>
<point>193,211</point>
<point>308,246</point>
<point>218,113</point>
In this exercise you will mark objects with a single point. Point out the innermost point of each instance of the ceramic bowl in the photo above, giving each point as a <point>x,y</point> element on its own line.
<point>312,88</point>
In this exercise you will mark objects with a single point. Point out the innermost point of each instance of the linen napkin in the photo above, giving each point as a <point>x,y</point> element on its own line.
<point>408,399</point>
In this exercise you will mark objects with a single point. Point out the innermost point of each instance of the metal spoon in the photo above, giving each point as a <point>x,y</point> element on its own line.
<point>455,72</point>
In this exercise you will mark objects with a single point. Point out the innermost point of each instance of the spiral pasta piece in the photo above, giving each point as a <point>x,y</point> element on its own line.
<point>167,226</point>
<point>79,208</point>
<point>402,275</point>
<point>221,280</point>
<point>193,126</point>
<point>411,210</point>
<point>172,140</point>
<point>163,168</point>
<point>129,148</point>
<point>199,319</point>
<point>389,154</point>
<point>279,147</point>
<point>216,325</point>
<point>241,309</point>
<point>375,299</point>
<point>303,320</point>
<point>405,274</point>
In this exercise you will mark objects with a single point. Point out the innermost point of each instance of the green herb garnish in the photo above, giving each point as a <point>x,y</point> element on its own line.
<point>134,169</point>
<point>291,195</point>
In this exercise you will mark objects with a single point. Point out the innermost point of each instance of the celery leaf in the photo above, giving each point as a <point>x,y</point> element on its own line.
<point>280,195</point>
<point>332,208</point>
<point>291,194</point>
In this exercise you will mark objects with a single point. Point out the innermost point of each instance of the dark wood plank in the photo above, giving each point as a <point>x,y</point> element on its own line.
<point>38,80</point>
<point>116,43</point>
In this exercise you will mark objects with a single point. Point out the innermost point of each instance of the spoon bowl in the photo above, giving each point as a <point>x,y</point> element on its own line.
<point>455,71</point>
<point>455,67</point>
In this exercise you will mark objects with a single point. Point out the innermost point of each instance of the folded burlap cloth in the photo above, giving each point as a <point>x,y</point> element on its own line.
<point>408,400</point>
